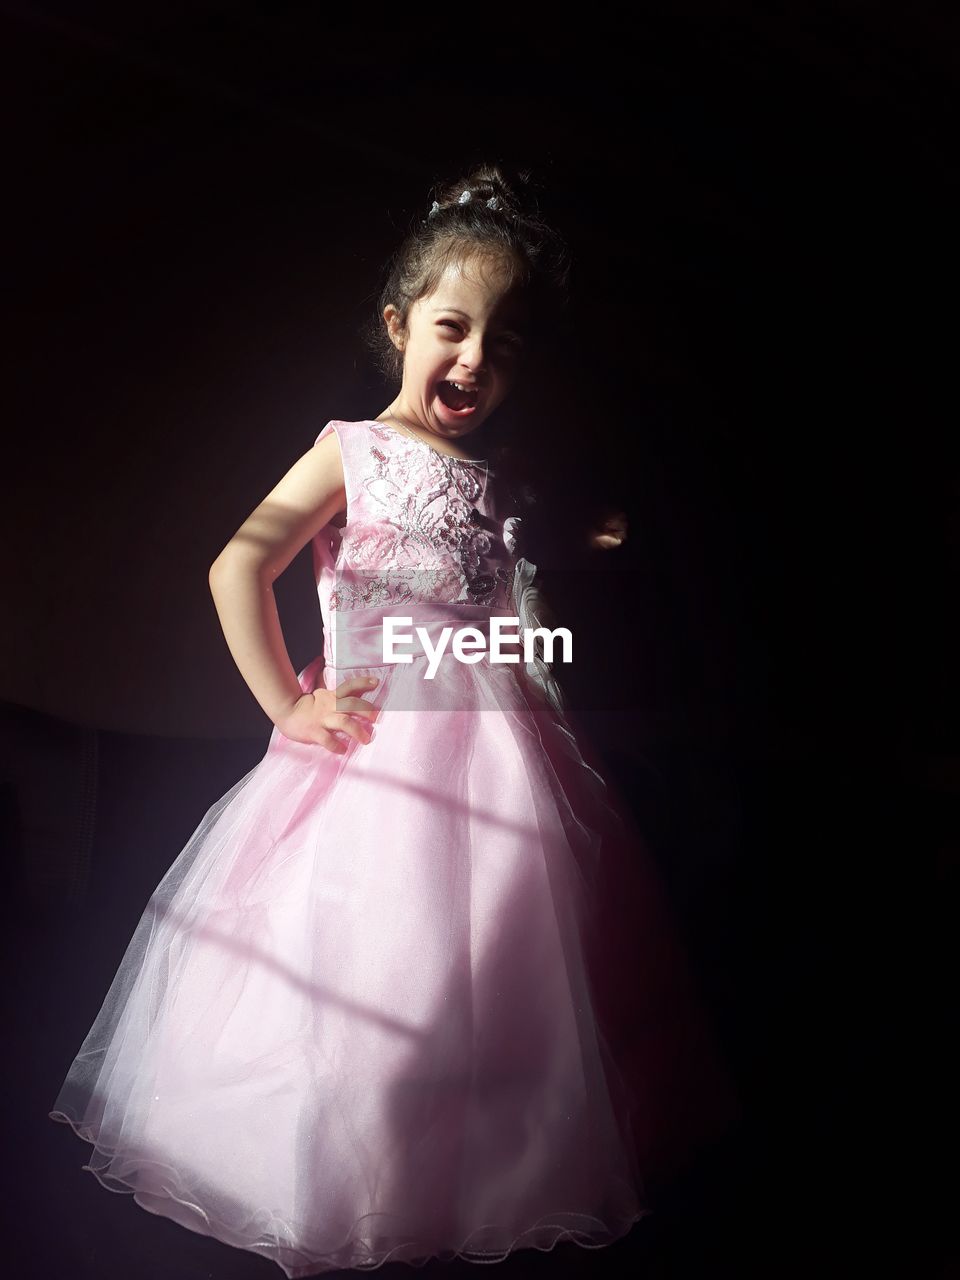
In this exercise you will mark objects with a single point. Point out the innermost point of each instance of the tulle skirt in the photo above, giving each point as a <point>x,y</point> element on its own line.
<point>369,1013</point>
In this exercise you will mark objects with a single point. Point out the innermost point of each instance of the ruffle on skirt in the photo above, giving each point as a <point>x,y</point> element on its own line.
<point>360,1019</point>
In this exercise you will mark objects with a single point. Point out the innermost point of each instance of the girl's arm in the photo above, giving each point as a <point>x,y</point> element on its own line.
<point>241,578</point>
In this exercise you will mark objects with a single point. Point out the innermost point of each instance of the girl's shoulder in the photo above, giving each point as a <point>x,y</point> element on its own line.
<point>356,438</point>
<point>375,459</point>
<point>363,434</point>
<point>344,428</point>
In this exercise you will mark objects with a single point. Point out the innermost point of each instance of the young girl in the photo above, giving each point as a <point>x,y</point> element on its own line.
<point>360,1019</point>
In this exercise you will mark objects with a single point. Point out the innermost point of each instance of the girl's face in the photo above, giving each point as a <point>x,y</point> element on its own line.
<point>470,331</point>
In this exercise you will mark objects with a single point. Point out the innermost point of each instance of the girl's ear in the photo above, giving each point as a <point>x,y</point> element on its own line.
<point>391,317</point>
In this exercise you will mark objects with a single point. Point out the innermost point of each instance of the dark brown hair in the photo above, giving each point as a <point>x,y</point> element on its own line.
<point>462,225</point>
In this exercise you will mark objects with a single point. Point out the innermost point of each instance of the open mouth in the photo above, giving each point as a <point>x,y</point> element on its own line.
<point>458,400</point>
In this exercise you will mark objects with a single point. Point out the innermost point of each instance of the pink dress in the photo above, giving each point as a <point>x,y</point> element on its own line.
<point>357,1021</point>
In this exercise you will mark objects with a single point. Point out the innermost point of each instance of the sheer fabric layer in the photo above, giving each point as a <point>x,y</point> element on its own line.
<point>356,1022</point>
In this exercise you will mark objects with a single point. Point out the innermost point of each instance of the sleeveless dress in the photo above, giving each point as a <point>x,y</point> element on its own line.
<point>357,1021</point>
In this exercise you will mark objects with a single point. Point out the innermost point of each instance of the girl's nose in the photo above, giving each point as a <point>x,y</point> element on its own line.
<point>472,355</point>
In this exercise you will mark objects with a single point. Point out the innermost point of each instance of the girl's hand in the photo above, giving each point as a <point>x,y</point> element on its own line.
<point>608,532</point>
<point>319,716</point>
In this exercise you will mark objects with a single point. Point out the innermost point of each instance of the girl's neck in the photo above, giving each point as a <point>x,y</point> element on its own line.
<point>435,442</point>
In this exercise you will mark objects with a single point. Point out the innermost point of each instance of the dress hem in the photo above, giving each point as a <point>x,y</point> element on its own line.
<point>593,1234</point>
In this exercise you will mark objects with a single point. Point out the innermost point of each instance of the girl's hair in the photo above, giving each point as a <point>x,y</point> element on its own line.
<point>482,213</point>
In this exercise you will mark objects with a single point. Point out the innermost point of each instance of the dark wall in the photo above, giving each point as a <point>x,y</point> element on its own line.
<point>201,201</point>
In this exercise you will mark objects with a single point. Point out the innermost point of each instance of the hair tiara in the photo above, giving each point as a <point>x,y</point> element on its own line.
<point>464,198</point>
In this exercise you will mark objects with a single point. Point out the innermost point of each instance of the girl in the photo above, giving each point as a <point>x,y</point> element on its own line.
<point>365,1014</point>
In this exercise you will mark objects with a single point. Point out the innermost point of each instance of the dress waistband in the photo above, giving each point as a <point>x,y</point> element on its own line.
<point>356,637</point>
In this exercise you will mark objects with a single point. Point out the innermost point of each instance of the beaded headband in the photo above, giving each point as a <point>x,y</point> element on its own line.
<point>464,198</point>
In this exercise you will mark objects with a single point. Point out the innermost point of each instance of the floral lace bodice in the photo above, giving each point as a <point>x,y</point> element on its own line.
<point>420,525</point>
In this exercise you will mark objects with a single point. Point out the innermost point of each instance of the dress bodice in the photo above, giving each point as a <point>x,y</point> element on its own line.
<point>420,526</point>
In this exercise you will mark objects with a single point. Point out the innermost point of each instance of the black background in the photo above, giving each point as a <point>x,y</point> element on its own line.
<point>761,203</point>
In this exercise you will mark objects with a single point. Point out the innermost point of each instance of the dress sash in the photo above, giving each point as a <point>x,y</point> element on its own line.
<point>357,637</point>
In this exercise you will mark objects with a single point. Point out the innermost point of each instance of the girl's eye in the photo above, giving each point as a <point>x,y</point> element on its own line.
<point>511,339</point>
